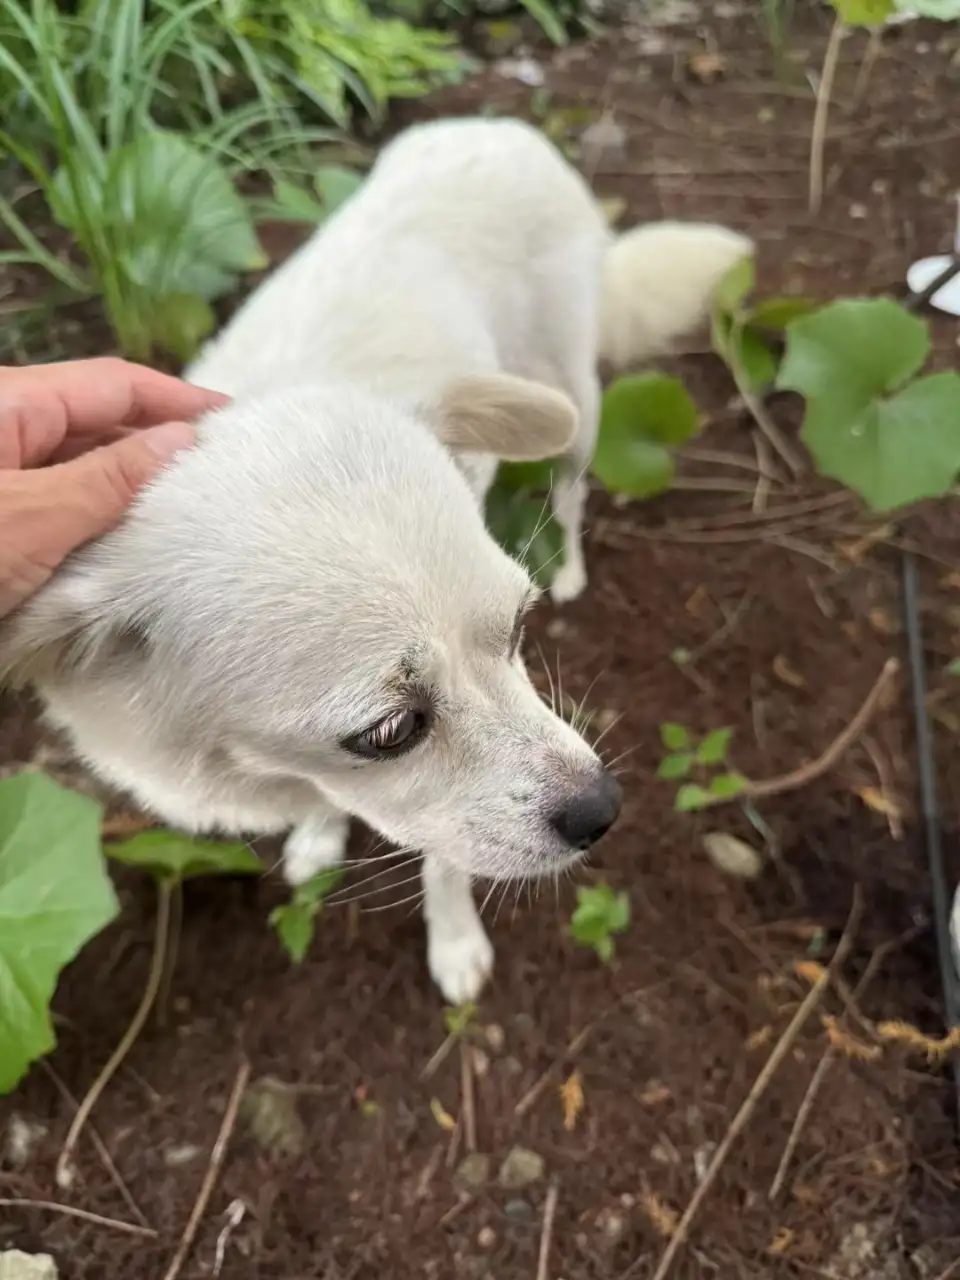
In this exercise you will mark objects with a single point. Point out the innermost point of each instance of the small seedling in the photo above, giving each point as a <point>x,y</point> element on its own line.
<point>600,914</point>
<point>704,762</point>
<point>460,1020</point>
<point>295,921</point>
<point>747,335</point>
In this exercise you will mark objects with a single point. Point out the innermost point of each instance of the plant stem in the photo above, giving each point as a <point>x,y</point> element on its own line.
<point>818,136</point>
<point>161,934</point>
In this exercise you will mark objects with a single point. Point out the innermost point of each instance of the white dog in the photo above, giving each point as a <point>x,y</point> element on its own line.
<point>304,618</point>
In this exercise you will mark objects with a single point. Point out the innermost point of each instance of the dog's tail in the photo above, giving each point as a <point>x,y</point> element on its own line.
<point>658,283</point>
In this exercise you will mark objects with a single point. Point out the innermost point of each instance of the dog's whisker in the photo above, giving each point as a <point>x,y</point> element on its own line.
<point>549,675</point>
<point>603,732</point>
<point>354,892</point>
<point>415,898</point>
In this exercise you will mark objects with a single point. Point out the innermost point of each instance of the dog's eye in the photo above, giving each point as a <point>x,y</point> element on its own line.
<point>392,736</point>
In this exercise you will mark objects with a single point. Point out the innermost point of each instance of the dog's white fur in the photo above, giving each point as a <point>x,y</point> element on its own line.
<point>319,562</point>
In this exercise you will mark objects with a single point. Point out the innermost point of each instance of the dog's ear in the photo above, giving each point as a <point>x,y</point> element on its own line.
<point>512,418</point>
<point>73,624</point>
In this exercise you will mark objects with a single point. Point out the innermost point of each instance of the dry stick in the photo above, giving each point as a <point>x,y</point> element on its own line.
<point>818,136</point>
<point>573,1048</point>
<point>164,889</point>
<point>213,1171</point>
<point>468,1107</point>
<point>742,1118</point>
<point>826,1062</point>
<point>546,1238</point>
<point>871,53</point>
<point>68,1211</point>
<point>814,768</point>
<point>99,1146</point>
<point>775,437</point>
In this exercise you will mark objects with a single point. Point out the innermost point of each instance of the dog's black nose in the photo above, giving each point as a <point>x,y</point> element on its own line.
<point>589,812</point>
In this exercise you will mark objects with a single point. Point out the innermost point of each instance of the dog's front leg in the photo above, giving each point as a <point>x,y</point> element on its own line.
<point>320,841</point>
<point>459,953</point>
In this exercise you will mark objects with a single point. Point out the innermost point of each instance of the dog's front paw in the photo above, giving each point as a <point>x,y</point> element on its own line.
<point>568,582</point>
<point>461,966</point>
<point>311,848</point>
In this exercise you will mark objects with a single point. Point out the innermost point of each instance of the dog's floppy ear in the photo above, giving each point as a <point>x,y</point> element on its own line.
<point>513,418</point>
<point>73,624</point>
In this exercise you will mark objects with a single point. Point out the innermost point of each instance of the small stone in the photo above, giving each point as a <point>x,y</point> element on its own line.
<point>180,1154</point>
<point>472,1172</point>
<point>518,1210</point>
<point>22,1138</point>
<point>495,1037</point>
<point>611,1225</point>
<point>521,1168</point>
<point>525,70</point>
<point>732,856</point>
<point>486,1238</point>
<point>15,1265</point>
<point>858,212</point>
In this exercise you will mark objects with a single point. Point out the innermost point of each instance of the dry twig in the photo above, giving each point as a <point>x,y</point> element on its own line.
<point>742,1118</point>
<point>468,1110</point>
<point>533,1094</point>
<point>213,1172</point>
<point>818,135</point>
<point>68,1211</point>
<point>546,1237</point>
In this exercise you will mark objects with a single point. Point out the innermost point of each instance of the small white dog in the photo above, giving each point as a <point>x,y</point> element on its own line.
<point>305,618</point>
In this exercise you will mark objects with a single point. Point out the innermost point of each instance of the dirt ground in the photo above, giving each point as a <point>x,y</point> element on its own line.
<point>790,615</point>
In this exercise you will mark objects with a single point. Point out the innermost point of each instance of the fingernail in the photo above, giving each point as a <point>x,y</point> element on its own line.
<point>170,439</point>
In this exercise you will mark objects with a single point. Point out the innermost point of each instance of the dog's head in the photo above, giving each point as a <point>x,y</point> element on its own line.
<point>309,600</point>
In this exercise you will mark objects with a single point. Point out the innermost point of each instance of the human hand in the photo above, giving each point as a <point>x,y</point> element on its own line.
<point>77,443</point>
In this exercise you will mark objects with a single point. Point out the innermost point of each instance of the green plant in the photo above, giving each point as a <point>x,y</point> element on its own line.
<point>153,213</point>
<point>869,422</point>
<point>644,418</point>
<point>703,762</point>
<point>295,921</point>
<point>778,21</point>
<point>55,894</point>
<point>600,914</point>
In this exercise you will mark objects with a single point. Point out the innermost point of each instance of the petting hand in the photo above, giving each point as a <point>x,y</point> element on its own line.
<point>77,443</point>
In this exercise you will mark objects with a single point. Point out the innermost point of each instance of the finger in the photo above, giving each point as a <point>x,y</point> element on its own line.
<point>41,405</point>
<point>89,495</point>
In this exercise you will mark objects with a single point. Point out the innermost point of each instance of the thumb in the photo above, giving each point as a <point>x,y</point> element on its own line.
<point>97,488</point>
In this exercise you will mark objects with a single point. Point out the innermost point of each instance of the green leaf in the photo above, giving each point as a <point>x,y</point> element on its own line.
<point>713,748</point>
<point>55,894</point>
<point>335,184</point>
<point>892,452</point>
<point>864,13</point>
<point>776,314</point>
<point>845,359</point>
<point>650,407</point>
<point>600,913</point>
<point>757,363</point>
<point>296,204</point>
<point>727,785</point>
<point>735,287</point>
<point>179,323</point>
<point>675,737</point>
<point>852,351</point>
<point>460,1018</point>
<point>170,855</point>
<point>691,797</point>
<point>172,218</point>
<point>525,529</point>
<point>677,766</point>
<point>295,921</point>
<point>952,668</point>
<point>537,477</point>
<point>634,468</point>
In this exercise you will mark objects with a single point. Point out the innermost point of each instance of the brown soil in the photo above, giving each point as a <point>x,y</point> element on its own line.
<point>791,631</point>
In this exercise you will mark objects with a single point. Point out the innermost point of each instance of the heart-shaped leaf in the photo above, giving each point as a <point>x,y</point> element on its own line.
<point>295,921</point>
<point>55,894</point>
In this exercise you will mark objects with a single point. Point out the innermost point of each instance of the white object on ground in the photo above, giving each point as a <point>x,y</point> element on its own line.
<point>15,1265</point>
<point>924,272</point>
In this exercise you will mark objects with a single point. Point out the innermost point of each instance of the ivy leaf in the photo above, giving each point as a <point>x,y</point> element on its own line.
<point>845,359</point>
<point>892,452</point>
<point>640,415</point>
<point>776,314</point>
<point>674,736</point>
<point>713,748</point>
<point>727,785</point>
<point>691,797</point>
<point>735,287</point>
<point>55,894</point>
<point>865,13</point>
<point>676,766</point>
<point>853,351</point>
<point>295,921</point>
<point>172,856</point>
